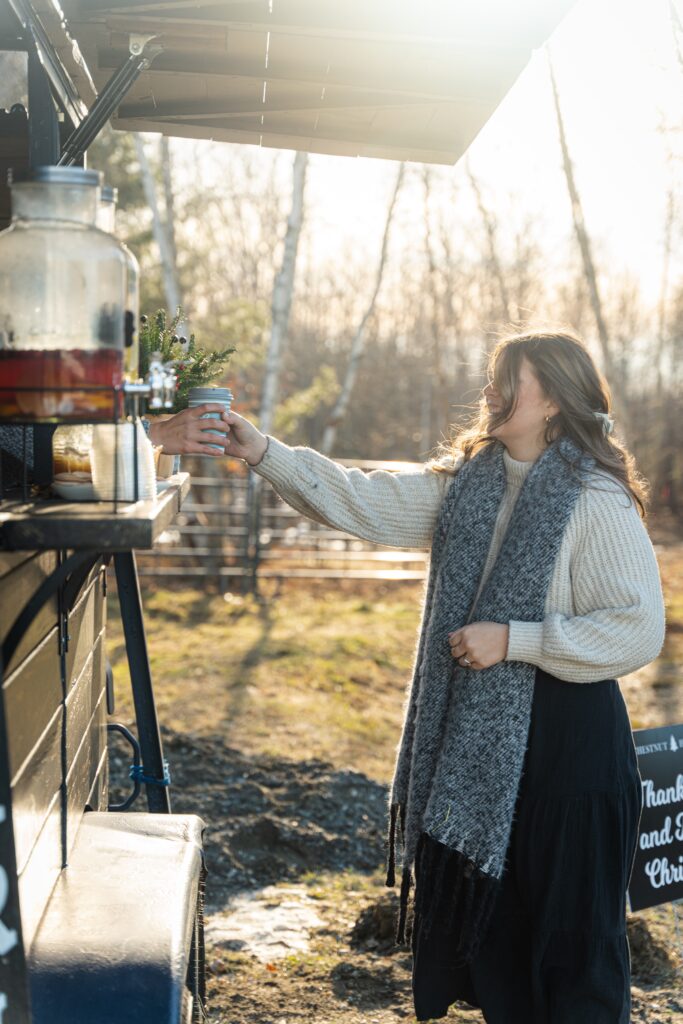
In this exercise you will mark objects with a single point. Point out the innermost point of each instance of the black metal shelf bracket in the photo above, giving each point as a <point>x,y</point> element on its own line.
<point>130,602</point>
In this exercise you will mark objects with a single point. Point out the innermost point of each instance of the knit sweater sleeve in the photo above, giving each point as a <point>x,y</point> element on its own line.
<point>396,509</point>
<point>619,624</point>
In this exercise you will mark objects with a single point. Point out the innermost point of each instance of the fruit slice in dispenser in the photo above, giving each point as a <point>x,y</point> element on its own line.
<point>43,384</point>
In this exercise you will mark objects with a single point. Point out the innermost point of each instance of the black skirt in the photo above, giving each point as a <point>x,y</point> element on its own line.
<point>556,950</point>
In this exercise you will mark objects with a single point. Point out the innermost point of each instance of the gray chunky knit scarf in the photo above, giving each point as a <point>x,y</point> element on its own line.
<point>465,731</point>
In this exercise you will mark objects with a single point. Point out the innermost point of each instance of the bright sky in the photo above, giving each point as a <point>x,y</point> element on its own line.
<point>620,84</point>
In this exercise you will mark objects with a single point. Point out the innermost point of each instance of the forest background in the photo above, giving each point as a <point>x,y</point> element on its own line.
<point>363,296</point>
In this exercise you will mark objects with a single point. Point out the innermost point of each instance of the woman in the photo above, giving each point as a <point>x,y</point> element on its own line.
<point>516,788</point>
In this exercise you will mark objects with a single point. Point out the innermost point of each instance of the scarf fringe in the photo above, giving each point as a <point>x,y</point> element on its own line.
<point>454,894</point>
<point>404,929</point>
<point>397,823</point>
<point>391,856</point>
<point>457,896</point>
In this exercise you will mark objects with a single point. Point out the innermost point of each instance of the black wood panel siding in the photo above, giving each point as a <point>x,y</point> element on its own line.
<point>57,724</point>
<point>36,788</point>
<point>32,695</point>
<point>85,624</point>
<point>87,767</point>
<point>40,874</point>
<point>34,689</point>
<point>16,588</point>
<point>83,698</point>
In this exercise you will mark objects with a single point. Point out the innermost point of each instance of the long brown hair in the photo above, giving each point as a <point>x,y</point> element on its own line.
<point>568,376</point>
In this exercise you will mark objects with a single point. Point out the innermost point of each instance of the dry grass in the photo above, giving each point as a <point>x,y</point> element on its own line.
<point>323,672</point>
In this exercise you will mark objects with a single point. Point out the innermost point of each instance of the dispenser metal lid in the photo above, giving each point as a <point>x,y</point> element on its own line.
<point>54,175</point>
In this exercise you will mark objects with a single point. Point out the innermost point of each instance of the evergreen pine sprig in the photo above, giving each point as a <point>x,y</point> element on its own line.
<point>194,365</point>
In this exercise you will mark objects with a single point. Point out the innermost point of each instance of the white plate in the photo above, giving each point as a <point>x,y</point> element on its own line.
<point>77,491</point>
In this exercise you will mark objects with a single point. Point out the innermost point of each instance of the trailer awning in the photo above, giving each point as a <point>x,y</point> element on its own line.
<point>384,78</point>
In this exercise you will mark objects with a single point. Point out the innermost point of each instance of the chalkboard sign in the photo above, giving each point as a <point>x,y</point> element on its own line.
<point>657,875</point>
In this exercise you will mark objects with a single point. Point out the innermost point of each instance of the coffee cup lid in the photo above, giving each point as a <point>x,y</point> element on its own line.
<point>209,394</point>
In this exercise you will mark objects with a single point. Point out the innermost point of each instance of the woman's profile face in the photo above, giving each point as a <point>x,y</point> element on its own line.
<point>527,419</point>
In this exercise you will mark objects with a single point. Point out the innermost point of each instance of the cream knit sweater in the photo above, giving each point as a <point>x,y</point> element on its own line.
<point>604,610</point>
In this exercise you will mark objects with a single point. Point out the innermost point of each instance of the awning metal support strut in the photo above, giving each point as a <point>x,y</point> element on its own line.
<point>143,51</point>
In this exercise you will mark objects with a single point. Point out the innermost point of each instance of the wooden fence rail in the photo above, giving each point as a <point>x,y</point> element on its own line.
<point>210,537</point>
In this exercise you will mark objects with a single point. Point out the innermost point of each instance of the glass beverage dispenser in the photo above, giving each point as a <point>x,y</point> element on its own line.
<point>106,221</point>
<point>64,331</point>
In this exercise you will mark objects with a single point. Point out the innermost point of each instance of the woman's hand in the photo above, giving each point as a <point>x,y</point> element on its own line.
<point>482,644</point>
<point>244,440</point>
<point>186,432</point>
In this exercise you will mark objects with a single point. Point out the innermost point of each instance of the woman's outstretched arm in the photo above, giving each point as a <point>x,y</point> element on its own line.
<point>396,509</point>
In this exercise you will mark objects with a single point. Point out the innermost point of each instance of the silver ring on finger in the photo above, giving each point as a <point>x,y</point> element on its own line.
<point>466,661</point>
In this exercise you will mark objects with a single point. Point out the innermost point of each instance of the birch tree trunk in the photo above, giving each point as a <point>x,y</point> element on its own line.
<point>163,227</point>
<point>169,199</point>
<point>169,224</point>
<point>160,230</point>
<point>283,290</point>
<point>358,345</point>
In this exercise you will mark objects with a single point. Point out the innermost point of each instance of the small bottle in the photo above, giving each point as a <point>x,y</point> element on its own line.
<point>71,449</point>
<point>170,380</point>
<point>156,378</point>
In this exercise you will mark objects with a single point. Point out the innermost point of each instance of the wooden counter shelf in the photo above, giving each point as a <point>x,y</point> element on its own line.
<point>90,525</point>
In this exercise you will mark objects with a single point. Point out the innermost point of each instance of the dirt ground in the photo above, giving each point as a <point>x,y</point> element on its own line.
<point>280,719</point>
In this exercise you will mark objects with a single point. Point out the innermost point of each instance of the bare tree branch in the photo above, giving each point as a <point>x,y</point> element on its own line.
<point>677,28</point>
<point>358,344</point>
<point>664,294</point>
<point>582,233</point>
<point>437,377</point>
<point>492,244</point>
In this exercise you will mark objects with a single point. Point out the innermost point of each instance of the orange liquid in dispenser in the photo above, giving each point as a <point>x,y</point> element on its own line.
<point>57,380</point>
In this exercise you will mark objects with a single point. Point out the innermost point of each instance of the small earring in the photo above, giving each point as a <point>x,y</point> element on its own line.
<point>547,419</point>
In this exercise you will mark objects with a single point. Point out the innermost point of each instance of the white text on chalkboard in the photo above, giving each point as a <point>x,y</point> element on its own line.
<point>655,797</point>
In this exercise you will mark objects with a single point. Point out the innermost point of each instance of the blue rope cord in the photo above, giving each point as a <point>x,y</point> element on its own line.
<point>137,774</point>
